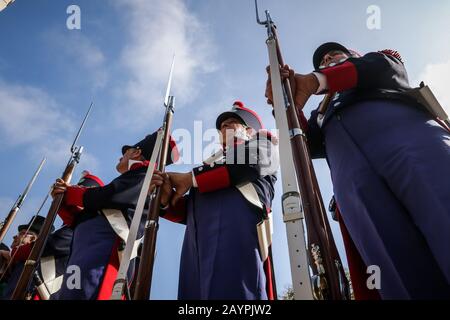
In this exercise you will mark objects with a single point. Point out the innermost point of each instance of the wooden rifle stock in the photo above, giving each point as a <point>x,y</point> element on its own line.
<point>4,227</point>
<point>26,276</point>
<point>8,221</point>
<point>329,281</point>
<point>20,291</point>
<point>147,259</point>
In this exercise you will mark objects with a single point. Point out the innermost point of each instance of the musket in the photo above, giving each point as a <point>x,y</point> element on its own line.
<point>18,204</point>
<point>121,283</point>
<point>141,287</point>
<point>38,247</point>
<point>302,200</point>
<point>28,229</point>
<point>147,259</point>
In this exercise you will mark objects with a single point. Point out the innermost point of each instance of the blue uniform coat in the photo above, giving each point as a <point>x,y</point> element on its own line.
<point>220,258</point>
<point>389,161</point>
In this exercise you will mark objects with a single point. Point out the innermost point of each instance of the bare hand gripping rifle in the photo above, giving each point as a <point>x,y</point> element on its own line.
<point>4,226</point>
<point>159,156</point>
<point>301,198</point>
<point>35,255</point>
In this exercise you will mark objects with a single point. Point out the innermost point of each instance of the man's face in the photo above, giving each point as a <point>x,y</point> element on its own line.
<point>232,128</point>
<point>130,154</point>
<point>22,238</point>
<point>334,56</point>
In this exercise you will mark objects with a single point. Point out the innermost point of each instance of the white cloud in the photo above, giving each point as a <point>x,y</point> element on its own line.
<point>157,30</point>
<point>86,53</point>
<point>437,76</point>
<point>57,151</point>
<point>80,49</point>
<point>208,111</point>
<point>31,119</point>
<point>28,115</point>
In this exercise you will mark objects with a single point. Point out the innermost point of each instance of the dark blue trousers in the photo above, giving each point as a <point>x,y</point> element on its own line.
<point>220,256</point>
<point>92,245</point>
<point>390,166</point>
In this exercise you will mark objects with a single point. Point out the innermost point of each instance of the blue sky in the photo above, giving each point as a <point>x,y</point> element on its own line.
<point>120,60</point>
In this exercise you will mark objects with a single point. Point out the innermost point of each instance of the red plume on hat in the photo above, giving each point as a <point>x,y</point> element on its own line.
<point>247,116</point>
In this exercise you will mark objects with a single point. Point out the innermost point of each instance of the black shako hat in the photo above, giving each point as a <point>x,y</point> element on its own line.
<point>323,49</point>
<point>147,144</point>
<point>247,116</point>
<point>36,225</point>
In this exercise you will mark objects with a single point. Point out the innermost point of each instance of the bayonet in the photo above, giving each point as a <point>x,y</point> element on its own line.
<point>159,155</point>
<point>38,247</point>
<point>169,83</point>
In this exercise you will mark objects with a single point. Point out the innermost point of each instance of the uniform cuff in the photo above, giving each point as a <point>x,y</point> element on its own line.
<point>213,179</point>
<point>341,77</point>
<point>74,196</point>
<point>67,215</point>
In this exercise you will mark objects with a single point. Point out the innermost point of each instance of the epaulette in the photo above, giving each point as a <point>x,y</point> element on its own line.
<point>392,53</point>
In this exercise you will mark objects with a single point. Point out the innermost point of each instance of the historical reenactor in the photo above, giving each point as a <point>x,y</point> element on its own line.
<point>227,240</point>
<point>101,228</point>
<point>56,253</point>
<point>20,250</point>
<point>387,157</point>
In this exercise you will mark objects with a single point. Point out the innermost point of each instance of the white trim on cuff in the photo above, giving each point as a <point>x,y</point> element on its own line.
<point>323,84</point>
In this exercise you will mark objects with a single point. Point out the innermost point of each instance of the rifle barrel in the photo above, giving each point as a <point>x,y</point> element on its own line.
<point>18,204</point>
<point>20,291</point>
<point>31,263</point>
<point>324,259</point>
<point>145,273</point>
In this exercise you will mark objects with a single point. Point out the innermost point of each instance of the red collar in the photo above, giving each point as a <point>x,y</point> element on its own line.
<point>138,165</point>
